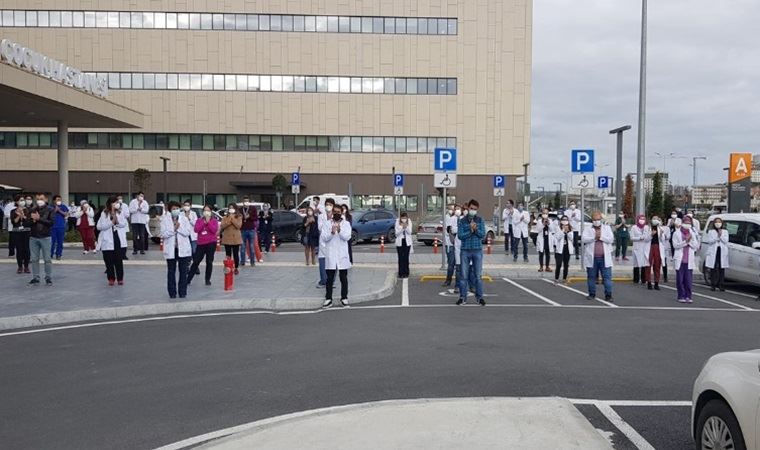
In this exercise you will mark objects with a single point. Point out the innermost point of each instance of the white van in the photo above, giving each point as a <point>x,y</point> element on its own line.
<point>743,247</point>
<point>307,202</point>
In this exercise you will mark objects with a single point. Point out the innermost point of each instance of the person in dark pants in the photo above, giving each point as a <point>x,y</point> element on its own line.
<point>40,220</point>
<point>546,228</point>
<point>563,248</point>
<point>19,235</point>
<point>716,256</point>
<point>403,244</point>
<point>231,236</point>
<point>109,241</point>
<point>176,231</point>
<point>348,218</point>
<point>60,216</point>
<point>265,227</point>
<point>449,242</point>
<point>206,228</point>
<point>622,236</point>
<point>334,235</point>
<point>506,218</point>
<point>248,231</point>
<point>139,218</point>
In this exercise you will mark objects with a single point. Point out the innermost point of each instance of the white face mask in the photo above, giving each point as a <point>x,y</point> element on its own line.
<point>207,214</point>
<point>403,220</point>
<point>564,222</point>
<point>718,224</point>
<point>58,203</point>
<point>40,203</point>
<point>621,215</point>
<point>656,222</point>
<point>687,226</point>
<point>457,212</point>
<point>328,208</point>
<point>673,216</point>
<point>544,215</point>
<point>117,206</point>
<point>572,207</point>
<point>690,214</point>
<point>246,203</point>
<point>597,223</point>
<point>120,201</point>
<point>140,198</point>
<point>231,210</point>
<point>186,208</point>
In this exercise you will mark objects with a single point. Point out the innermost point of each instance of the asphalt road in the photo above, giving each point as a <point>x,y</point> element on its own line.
<point>151,383</point>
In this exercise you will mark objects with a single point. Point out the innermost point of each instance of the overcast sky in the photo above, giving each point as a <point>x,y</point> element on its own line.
<point>703,94</point>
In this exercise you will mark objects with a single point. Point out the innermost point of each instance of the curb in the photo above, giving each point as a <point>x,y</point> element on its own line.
<point>274,305</point>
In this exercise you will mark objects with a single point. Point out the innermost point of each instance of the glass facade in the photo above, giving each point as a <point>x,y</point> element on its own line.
<point>229,22</point>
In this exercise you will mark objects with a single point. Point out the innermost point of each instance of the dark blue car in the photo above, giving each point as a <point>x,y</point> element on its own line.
<point>371,224</point>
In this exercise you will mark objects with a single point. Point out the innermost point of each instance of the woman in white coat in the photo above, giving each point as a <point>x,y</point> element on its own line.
<point>110,224</point>
<point>659,252</point>
<point>716,256</point>
<point>334,236</point>
<point>685,244</point>
<point>546,228</point>
<point>564,248</point>
<point>403,244</point>
<point>176,231</point>
<point>641,236</point>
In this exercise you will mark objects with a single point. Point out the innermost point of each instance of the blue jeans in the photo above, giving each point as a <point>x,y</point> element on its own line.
<point>452,261</point>
<point>40,247</point>
<point>593,272</point>
<point>515,247</point>
<point>249,237</point>
<point>56,246</point>
<point>322,271</point>
<point>171,276</point>
<point>476,258</point>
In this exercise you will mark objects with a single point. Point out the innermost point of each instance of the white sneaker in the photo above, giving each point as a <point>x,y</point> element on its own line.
<point>344,302</point>
<point>327,303</point>
<point>84,252</point>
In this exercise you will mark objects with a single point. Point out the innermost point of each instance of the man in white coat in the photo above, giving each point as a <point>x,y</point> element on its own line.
<point>546,228</point>
<point>334,235</point>
<point>716,255</point>
<point>506,218</point>
<point>574,214</point>
<point>641,236</point>
<point>449,241</point>
<point>175,231</point>
<point>597,258</point>
<point>520,222</point>
<point>685,244</point>
<point>138,210</point>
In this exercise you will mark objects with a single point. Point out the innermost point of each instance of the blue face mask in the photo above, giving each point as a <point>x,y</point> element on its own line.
<point>472,212</point>
<point>175,213</point>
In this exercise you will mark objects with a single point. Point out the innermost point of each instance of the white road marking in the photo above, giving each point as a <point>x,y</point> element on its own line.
<point>632,435</point>
<point>533,293</point>
<point>715,298</point>
<point>729,291</point>
<point>659,403</point>
<point>405,292</point>
<point>582,293</point>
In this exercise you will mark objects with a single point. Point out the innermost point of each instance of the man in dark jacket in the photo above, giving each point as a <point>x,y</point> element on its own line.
<point>265,227</point>
<point>41,222</point>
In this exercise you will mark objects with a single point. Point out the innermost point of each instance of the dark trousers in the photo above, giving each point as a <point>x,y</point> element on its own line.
<point>56,247</point>
<point>451,261</point>
<point>562,261</point>
<point>403,260</point>
<point>717,273</point>
<point>114,264</point>
<point>621,245</point>
<point>516,247</point>
<point>139,237</point>
<point>577,244</point>
<point>545,257</point>
<point>343,274</point>
<point>234,252</point>
<point>655,264</point>
<point>20,244</point>
<point>266,239</point>
<point>171,276</point>
<point>507,239</point>
<point>203,251</point>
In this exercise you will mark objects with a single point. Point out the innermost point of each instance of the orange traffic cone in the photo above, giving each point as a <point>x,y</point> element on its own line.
<point>435,246</point>
<point>488,246</point>
<point>274,243</point>
<point>162,244</point>
<point>257,251</point>
<point>218,243</point>
<point>382,244</point>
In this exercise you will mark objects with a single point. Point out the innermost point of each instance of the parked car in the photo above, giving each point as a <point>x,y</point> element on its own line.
<point>743,247</point>
<point>431,228</point>
<point>155,212</point>
<point>340,199</point>
<point>725,410</point>
<point>287,226</point>
<point>373,223</point>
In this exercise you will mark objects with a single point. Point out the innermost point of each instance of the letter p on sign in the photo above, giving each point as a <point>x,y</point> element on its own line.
<point>582,161</point>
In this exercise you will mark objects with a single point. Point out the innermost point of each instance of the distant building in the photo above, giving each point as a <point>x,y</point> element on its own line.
<point>649,182</point>
<point>708,195</point>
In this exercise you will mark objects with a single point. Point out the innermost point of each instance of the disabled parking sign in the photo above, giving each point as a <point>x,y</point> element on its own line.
<point>582,161</point>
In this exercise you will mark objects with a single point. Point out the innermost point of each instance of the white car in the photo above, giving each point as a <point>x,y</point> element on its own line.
<point>743,247</point>
<point>725,410</point>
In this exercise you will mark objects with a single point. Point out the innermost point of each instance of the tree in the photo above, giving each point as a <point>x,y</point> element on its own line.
<point>628,196</point>
<point>279,183</point>
<point>141,179</point>
<point>557,200</point>
<point>654,206</point>
<point>668,202</point>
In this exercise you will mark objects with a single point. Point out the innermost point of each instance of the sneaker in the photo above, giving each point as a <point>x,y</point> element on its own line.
<point>344,302</point>
<point>482,302</point>
<point>461,301</point>
<point>26,270</point>
<point>208,283</point>
<point>84,252</point>
<point>111,282</point>
<point>34,281</point>
<point>624,258</point>
<point>19,270</point>
<point>722,289</point>
<point>327,303</point>
<point>681,300</point>
<point>237,272</point>
<point>48,281</point>
<point>514,260</point>
<point>608,298</point>
<point>120,282</point>
<point>688,300</point>
<point>617,258</point>
<point>591,297</point>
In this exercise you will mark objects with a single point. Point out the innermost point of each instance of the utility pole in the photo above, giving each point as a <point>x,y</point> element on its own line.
<point>526,186</point>
<point>166,161</point>
<point>559,183</point>
<point>619,168</point>
<point>694,166</point>
<point>641,151</point>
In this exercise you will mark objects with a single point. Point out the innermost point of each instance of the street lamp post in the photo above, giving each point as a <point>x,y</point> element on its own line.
<point>526,188</point>
<point>694,164</point>
<point>641,151</point>
<point>664,156</point>
<point>559,183</point>
<point>619,169</point>
<point>165,161</point>
<point>543,195</point>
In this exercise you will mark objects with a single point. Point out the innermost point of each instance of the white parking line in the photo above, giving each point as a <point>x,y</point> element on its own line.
<point>582,293</point>
<point>533,293</point>
<point>714,298</point>
<point>729,291</point>
<point>405,292</point>
<point>632,435</point>
<point>660,403</point>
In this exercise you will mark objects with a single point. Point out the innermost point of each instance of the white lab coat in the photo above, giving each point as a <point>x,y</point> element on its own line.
<point>589,237</point>
<point>401,233</point>
<point>90,216</point>
<point>138,211</point>
<point>106,228</point>
<point>679,244</point>
<point>124,213</point>
<point>642,243</point>
<point>336,245</point>
<point>695,225</point>
<point>173,237</point>
<point>540,240</point>
<point>559,242</point>
<point>713,241</point>
<point>663,236</point>
<point>450,224</point>
<point>192,217</point>
<point>321,221</point>
<point>520,221</point>
<point>575,219</point>
<point>506,217</point>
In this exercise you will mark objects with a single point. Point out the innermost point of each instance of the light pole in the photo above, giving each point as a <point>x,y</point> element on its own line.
<point>166,161</point>
<point>694,164</point>
<point>619,169</point>
<point>664,156</point>
<point>526,187</point>
<point>641,150</point>
<point>543,195</point>
<point>559,183</point>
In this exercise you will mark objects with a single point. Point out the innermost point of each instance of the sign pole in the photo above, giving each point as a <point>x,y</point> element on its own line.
<point>583,218</point>
<point>498,218</point>
<point>443,231</point>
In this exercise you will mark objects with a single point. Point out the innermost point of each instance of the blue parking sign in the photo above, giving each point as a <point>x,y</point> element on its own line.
<point>398,180</point>
<point>603,182</point>
<point>582,161</point>
<point>295,179</point>
<point>498,181</point>
<point>445,160</point>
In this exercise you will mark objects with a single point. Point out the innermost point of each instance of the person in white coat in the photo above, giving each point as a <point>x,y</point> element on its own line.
<point>685,243</point>
<point>138,210</point>
<point>176,231</point>
<point>334,235</point>
<point>124,212</point>
<point>546,228</point>
<point>575,216</point>
<point>695,225</point>
<point>403,244</point>
<point>597,257</point>
<point>110,224</point>
<point>506,218</point>
<point>187,211</point>
<point>659,251</point>
<point>641,236</point>
<point>449,242</point>
<point>563,247</point>
<point>716,255</point>
<point>521,232</point>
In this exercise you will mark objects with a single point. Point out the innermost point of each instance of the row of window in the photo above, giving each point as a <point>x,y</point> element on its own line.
<point>279,83</point>
<point>236,22</point>
<point>256,142</point>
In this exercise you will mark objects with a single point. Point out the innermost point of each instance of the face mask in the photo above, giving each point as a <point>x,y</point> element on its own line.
<point>642,221</point>
<point>687,226</point>
<point>690,215</point>
<point>403,220</point>
<point>597,223</point>
<point>337,217</point>
<point>84,205</point>
<point>117,206</point>
<point>718,224</point>
<point>175,213</point>
<point>472,212</point>
<point>451,212</point>
<point>564,222</point>
<point>328,208</point>
<point>58,203</point>
<point>310,213</point>
<point>673,216</point>
<point>656,222</point>
<point>40,203</point>
<point>207,214</point>
<point>621,215</point>
<point>231,210</point>
<point>520,208</point>
<point>140,198</point>
<point>246,203</point>
<point>186,208</point>
<point>120,201</point>
<point>457,212</point>
<point>572,207</point>
<point>21,203</point>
